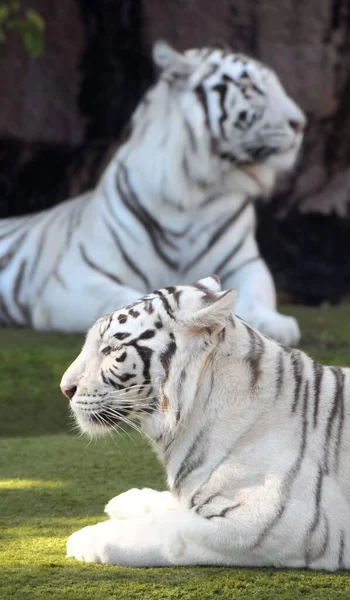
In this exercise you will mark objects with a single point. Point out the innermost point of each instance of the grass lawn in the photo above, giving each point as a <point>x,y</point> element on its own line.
<point>52,483</point>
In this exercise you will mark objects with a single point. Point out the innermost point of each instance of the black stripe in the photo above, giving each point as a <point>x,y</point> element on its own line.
<point>8,233</point>
<point>59,279</point>
<point>317,513</point>
<point>205,290</point>
<point>122,335</point>
<point>154,231</point>
<point>177,295</point>
<point>221,89</point>
<point>115,385</point>
<point>202,97</point>
<point>167,355</point>
<point>218,234</point>
<point>291,475</point>
<point>5,316</point>
<point>145,353</point>
<point>165,303</point>
<point>104,378</point>
<point>318,374</point>
<point>147,334</point>
<point>280,373</point>
<point>105,323</point>
<point>22,307</point>
<point>340,394</point>
<point>38,253</point>
<point>224,512</point>
<point>298,369</point>
<point>233,252</point>
<point>210,390</point>
<point>338,406</point>
<point>191,136</point>
<point>91,264</point>
<point>180,382</point>
<point>234,271</point>
<point>325,542</point>
<point>148,306</point>
<point>193,459</point>
<point>127,258</point>
<point>341,550</point>
<point>5,259</point>
<point>255,354</point>
<point>205,503</point>
<point>124,377</point>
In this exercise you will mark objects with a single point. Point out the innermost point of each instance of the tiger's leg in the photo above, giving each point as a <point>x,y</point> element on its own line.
<point>212,536</point>
<point>169,539</point>
<point>256,303</point>
<point>136,503</point>
<point>249,529</point>
<point>217,530</point>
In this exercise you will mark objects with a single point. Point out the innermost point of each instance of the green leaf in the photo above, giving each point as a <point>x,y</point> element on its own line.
<point>35,19</point>
<point>4,13</point>
<point>33,43</point>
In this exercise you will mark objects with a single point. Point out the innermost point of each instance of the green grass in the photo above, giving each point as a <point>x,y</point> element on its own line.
<point>52,483</point>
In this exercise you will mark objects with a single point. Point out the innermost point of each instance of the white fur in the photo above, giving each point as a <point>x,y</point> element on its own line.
<point>63,268</point>
<point>254,439</point>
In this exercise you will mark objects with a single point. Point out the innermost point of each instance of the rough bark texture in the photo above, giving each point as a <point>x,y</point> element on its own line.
<point>305,231</point>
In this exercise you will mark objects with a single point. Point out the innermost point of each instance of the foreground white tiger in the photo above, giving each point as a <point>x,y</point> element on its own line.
<point>254,438</point>
<point>174,203</point>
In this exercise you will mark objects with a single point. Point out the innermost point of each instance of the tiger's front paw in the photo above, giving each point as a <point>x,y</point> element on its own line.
<point>136,503</point>
<point>281,328</point>
<point>88,544</point>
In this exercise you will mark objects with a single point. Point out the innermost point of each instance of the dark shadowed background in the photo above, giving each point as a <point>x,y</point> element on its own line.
<point>62,114</point>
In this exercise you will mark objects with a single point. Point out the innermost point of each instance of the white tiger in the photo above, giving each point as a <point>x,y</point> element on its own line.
<point>254,438</point>
<point>174,203</point>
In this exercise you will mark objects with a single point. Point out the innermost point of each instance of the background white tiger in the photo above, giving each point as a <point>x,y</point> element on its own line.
<point>254,438</point>
<point>174,203</point>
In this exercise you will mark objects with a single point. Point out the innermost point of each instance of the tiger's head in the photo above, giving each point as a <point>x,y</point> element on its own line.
<point>142,361</point>
<point>227,105</point>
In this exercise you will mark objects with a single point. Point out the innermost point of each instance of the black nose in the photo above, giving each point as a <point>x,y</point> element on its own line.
<point>69,391</point>
<point>298,126</point>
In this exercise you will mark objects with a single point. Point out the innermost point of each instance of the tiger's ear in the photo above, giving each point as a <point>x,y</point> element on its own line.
<point>216,313</point>
<point>165,57</point>
<point>212,283</point>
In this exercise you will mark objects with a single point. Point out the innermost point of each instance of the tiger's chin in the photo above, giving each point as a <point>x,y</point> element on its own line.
<point>283,162</point>
<point>95,424</point>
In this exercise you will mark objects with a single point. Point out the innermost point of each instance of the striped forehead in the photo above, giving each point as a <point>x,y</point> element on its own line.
<point>235,66</point>
<point>134,318</point>
<point>148,311</point>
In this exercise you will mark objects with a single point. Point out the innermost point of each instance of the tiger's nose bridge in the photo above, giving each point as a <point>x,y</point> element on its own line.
<point>296,116</point>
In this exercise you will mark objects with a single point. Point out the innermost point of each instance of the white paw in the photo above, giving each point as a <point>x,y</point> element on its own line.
<point>136,503</point>
<point>88,545</point>
<point>281,328</point>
